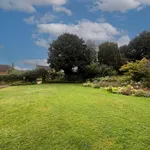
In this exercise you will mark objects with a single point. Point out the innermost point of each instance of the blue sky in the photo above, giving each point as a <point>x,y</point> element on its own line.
<point>28,26</point>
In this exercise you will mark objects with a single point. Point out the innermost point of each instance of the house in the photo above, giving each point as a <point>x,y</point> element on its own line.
<point>4,69</point>
<point>43,67</point>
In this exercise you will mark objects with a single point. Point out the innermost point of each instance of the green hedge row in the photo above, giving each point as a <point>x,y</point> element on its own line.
<point>60,81</point>
<point>10,78</point>
<point>21,83</point>
<point>29,76</point>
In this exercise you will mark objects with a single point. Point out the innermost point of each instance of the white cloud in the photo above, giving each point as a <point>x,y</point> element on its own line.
<point>35,62</point>
<point>62,9</point>
<point>95,31</point>
<point>120,5</point>
<point>30,20</point>
<point>85,29</point>
<point>46,18</point>
<point>21,69</point>
<point>123,40</point>
<point>28,5</point>
<point>42,43</point>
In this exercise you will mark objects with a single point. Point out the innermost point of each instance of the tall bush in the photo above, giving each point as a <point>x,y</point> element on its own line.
<point>139,70</point>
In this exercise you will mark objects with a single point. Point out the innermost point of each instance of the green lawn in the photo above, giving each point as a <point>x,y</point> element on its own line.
<point>72,117</point>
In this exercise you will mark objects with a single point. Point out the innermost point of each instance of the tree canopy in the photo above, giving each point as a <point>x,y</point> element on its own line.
<point>69,52</point>
<point>138,48</point>
<point>109,54</point>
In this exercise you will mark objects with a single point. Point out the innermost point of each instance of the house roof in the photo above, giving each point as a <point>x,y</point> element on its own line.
<point>43,67</point>
<point>4,68</point>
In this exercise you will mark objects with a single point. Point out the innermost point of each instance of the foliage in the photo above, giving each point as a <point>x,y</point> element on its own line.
<point>96,85</point>
<point>109,54</point>
<point>128,90</point>
<point>17,72</point>
<point>41,73</point>
<point>49,81</point>
<point>10,78</point>
<point>139,47</point>
<point>119,85</point>
<point>75,77</point>
<point>68,52</point>
<point>20,83</point>
<point>28,76</point>
<point>124,51</point>
<point>92,71</point>
<point>91,46</point>
<point>145,70</point>
<point>105,70</point>
<point>87,84</point>
<point>53,75</point>
<point>95,70</point>
<point>114,81</point>
<point>123,78</point>
<point>142,93</point>
<point>138,70</point>
<point>31,76</point>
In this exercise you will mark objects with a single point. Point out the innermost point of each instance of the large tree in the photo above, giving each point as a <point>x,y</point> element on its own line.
<point>139,47</point>
<point>69,52</point>
<point>109,54</point>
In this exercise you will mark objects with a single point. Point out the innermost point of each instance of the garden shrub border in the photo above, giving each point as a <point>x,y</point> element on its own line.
<point>128,88</point>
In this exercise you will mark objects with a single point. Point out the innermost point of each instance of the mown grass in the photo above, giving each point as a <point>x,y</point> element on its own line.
<point>71,117</point>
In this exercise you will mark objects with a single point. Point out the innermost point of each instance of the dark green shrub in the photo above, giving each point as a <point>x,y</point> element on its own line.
<point>92,71</point>
<point>2,77</point>
<point>48,81</point>
<point>53,75</point>
<point>20,83</point>
<point>10,78</point>
<point>31,76</point>
<point>106,70</point>
<point>74,77</point>
<point>146,71</point>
